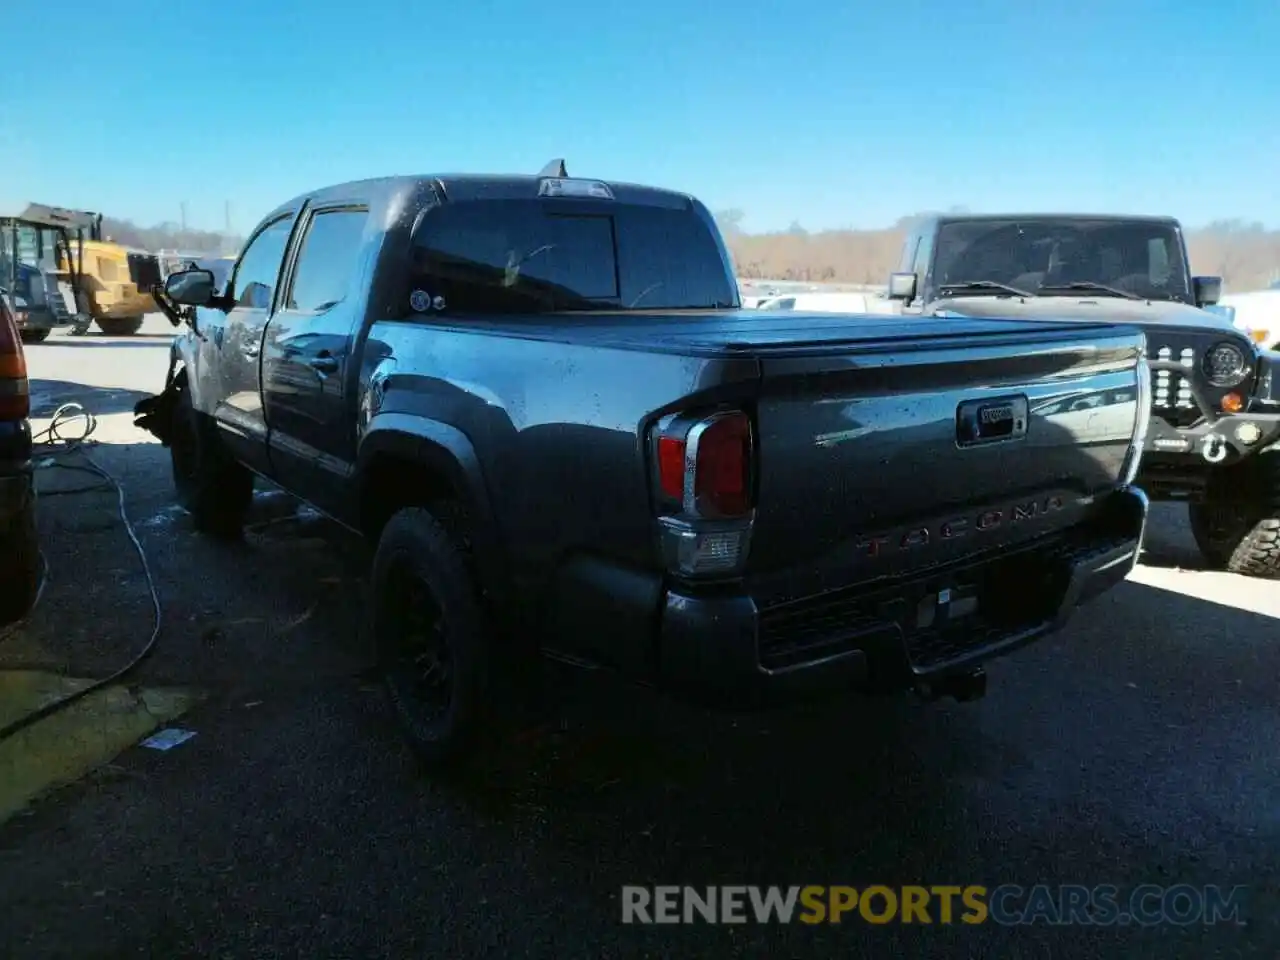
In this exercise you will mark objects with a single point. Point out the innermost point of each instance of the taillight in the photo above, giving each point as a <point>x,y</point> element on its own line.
<point>15,404</point>
<point>671,468</point>
<point>704,467</point>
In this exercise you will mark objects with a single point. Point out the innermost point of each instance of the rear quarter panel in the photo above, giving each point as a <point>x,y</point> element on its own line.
<point>557,428</point>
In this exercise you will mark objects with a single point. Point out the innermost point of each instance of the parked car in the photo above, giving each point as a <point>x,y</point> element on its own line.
<point>537,396</point>
<point>1257,313</point>
<point>832,302</point>
<point>1212,441</point>
<point>20,564</point>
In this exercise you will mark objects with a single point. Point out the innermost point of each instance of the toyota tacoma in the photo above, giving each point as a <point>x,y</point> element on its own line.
<point>538,397</point>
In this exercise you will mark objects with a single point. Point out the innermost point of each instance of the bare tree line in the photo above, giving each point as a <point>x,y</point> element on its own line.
<point>1246,255</point>
<point>170,236</point>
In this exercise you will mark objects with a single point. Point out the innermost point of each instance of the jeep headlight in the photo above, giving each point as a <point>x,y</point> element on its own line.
<point>1225,365</point>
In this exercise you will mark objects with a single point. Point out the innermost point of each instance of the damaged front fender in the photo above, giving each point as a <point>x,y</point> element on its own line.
<point>155,414</point>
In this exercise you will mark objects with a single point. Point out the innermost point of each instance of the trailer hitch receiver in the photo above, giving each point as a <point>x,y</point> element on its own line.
<point>961,687</point>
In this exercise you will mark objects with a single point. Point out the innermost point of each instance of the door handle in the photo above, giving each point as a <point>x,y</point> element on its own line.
<point>252,351</point>
<point>325,363</point>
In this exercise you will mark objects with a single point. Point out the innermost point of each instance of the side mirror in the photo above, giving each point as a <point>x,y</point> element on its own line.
<point>902,286</point>
<point>1207,290</point>
<point>191,288</point>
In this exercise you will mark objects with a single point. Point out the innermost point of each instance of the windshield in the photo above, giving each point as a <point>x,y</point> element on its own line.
<point>1138,258</point>
<point>26,248</point>
<point>542,256</point>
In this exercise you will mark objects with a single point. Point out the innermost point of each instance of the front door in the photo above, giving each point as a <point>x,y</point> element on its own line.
<point>237,341</point>
<point>308,376</point>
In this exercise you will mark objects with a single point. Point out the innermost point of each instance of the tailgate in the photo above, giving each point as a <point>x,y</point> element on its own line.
<point>885,457</point>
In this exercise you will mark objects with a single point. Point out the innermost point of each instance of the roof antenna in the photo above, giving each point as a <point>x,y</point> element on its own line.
<point>554,169</point>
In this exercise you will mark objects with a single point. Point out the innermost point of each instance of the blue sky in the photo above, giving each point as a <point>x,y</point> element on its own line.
<point>830,114</point>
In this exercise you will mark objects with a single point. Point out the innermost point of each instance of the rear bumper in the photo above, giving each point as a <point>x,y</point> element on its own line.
<point>17,494</point>
<point>892,636</point>
<point>17,486</point>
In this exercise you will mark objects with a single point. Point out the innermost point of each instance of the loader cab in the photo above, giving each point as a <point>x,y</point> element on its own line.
<point>40,260</point>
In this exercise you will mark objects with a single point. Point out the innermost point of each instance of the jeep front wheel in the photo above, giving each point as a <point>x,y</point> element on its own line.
<point>1237,526</point>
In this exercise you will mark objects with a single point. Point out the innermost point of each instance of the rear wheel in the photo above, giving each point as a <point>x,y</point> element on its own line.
<point>19,566</point>
<point>35,336</point>
<point>429,636</point>
<point>120,326</point>
<point>1237,527</point>
<point>212,486</point>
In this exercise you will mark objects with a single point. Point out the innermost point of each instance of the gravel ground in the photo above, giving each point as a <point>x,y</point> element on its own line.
<point>1139,746</point>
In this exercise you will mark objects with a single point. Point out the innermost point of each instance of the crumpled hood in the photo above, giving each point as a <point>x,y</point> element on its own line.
<point>1090,308</point>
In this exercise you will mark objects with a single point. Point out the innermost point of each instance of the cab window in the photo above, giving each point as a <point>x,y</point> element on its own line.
<point>538,256</point>
<point>254,282</point>
<point>327,260</point>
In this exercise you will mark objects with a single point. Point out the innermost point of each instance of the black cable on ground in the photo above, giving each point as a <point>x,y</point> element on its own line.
<point>51,436</point>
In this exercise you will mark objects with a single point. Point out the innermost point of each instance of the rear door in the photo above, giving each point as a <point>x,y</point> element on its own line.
<point>236,339</point>
<point>307,371</point>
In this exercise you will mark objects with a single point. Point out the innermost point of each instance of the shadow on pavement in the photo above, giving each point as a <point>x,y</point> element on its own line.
<point>1169,542</point>
<point>48,395</point>
<point>1133,747</point>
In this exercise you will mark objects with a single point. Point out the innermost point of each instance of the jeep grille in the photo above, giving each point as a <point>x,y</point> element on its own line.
<point>1171,392</point>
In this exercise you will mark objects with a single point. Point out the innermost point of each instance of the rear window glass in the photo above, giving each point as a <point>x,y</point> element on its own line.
<point>543,256</point>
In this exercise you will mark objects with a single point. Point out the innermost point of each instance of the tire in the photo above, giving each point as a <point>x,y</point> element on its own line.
<point>35,336</point>
<point>120,326</point>
<point>212,486</point>
<point>20,567</point>
<point>422,595</point>
<point>1237,527</point>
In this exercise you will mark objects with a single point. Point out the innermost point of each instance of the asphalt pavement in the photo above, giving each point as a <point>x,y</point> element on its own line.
<point>1139,746</point>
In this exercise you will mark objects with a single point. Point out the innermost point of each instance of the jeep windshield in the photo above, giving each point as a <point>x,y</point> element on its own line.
<point>1133,259</point>
<point>544,256</point>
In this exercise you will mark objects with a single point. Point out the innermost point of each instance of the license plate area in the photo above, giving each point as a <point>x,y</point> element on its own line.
<point>950,604</point>
<point>953,618</point>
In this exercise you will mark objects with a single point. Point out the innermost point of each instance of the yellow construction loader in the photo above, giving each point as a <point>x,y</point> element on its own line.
<point>113,283</point>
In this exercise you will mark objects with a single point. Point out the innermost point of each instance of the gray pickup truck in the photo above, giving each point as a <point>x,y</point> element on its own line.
<point>1215,425</point>
<point>539,398</point>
